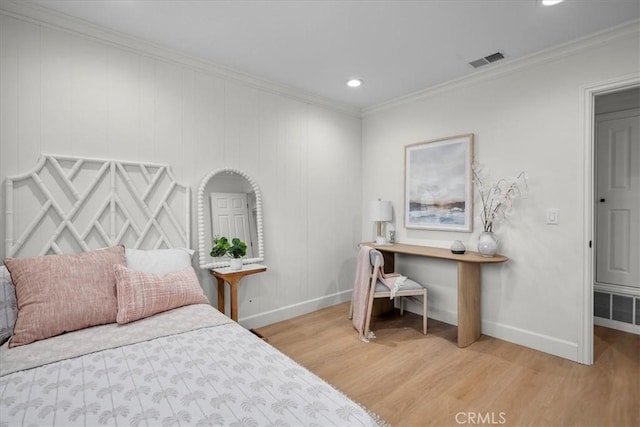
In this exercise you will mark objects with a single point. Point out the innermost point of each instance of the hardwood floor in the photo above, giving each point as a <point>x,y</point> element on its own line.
<point>410,379</point>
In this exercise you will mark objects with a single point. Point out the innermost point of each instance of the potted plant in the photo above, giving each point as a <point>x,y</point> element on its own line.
<point>235,249</point>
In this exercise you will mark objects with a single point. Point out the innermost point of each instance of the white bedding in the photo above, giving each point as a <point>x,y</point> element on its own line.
<point>189,366</point>
<point>108,336</point>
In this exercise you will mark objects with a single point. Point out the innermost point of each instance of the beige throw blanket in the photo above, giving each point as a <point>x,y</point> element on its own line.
<point>360,296</point>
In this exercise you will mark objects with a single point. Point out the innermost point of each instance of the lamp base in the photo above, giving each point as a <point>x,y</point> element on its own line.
<point>380,240</point>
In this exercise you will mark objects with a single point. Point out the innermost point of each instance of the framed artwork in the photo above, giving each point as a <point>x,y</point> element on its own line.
<point>438,184</point>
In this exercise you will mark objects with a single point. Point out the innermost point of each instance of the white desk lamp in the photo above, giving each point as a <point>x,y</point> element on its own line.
<point>379,212</point>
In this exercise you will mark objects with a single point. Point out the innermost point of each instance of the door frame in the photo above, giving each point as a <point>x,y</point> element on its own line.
<point>587,148</point>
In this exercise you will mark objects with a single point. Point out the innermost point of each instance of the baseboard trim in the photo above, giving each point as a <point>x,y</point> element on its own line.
<point>524,337</point>
<point>545,343</point>
<point>294,310</point>
<point>613,324</point>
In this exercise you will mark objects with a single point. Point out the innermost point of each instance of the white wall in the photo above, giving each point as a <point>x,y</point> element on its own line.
<point>63,92</point>
<point>525,116</point>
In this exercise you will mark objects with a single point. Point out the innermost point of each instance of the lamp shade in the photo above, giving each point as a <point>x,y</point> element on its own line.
<point>380,211</point>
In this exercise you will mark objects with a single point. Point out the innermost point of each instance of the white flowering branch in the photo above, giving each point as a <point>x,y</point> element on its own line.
<point>497,199</point>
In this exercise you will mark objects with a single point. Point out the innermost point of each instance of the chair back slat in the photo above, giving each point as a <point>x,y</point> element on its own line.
<point>376,254</point>
<point>377,261</point>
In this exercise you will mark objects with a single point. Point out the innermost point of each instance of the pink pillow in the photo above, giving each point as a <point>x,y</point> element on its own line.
<point>62,293</point>
<point>143,294</point>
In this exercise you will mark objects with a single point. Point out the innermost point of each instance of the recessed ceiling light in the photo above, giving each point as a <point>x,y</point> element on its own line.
<point>354,82</point>
<point>550,2</point>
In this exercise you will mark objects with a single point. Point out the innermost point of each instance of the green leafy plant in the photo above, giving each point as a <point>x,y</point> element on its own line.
<point>221,246</point>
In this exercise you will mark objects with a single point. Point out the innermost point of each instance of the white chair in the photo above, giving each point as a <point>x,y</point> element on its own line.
<point>377,289</point>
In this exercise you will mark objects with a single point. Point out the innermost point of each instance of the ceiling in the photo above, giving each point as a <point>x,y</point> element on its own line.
<point>396,47</point>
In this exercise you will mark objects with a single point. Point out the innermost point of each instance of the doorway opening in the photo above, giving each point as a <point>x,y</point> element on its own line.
<point>617,210</point>
<point>589,95</point>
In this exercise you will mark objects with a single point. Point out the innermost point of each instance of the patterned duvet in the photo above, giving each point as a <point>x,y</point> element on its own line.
<point>188,367</point>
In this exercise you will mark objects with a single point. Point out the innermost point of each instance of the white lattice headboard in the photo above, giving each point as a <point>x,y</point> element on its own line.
<point>71,204</point>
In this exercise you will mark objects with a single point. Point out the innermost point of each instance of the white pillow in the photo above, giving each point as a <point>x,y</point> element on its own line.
<point>158,261</point>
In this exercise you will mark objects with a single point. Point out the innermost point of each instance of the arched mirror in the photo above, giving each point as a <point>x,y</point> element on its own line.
<point>230,205</point>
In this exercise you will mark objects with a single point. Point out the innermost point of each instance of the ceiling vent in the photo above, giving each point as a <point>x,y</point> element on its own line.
<point>487,60</point>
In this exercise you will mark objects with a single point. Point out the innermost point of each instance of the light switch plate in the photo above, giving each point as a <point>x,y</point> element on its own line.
<point>552,216</point>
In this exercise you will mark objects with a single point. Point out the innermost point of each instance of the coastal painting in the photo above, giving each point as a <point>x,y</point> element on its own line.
<point>438,185</point>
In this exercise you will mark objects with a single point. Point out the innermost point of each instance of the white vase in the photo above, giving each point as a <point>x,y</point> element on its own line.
<point>235,263</point>
<point>487,244</point>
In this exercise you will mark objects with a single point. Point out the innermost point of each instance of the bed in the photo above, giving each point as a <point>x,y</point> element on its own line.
<point>146,348</point>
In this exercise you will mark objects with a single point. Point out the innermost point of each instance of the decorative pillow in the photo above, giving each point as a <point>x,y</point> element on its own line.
<point>8,306</point>
<point>143,294</point>
<point>62,293</point>
<point>158,261</point>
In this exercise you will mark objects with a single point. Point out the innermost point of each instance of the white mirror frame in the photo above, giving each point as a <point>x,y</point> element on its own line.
<point>204,242</point>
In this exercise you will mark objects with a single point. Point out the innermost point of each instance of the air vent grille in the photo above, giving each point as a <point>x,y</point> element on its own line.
<point>611,306</point>
<point>494,57</point>
<point>487,60</point>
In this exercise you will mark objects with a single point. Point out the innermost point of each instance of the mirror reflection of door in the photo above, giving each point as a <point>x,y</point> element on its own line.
<point>230,217</point>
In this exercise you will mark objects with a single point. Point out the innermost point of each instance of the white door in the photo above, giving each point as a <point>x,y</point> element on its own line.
<point>230,217</point>
<point>618,198</point>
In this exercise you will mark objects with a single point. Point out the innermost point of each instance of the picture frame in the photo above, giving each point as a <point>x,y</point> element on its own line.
<point>439,185</point>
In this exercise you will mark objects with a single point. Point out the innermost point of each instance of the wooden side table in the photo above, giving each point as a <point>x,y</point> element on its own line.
<point>233,277</point>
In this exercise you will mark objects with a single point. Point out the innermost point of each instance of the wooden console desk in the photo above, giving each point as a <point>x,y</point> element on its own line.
<point>232,277</point>
<point>468,281</point>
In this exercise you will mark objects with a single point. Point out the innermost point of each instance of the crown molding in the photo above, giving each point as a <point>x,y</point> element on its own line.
<point>59,21</point>
<point>631,28</point>
<point>52,19</point>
